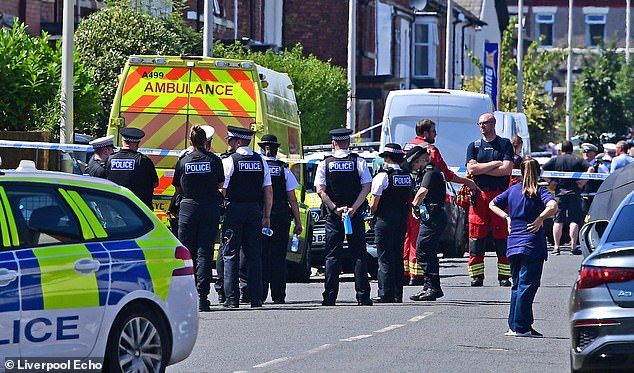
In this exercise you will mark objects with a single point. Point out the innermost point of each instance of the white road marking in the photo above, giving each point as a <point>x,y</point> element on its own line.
<point>420,317</point>
<point>356,338</point>
<point>388,328</point>
<point>318,349</point>
<point>272,362</point>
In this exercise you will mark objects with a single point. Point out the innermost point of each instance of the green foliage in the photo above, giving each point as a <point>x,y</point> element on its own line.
<point>320,87</point>
<point>538,67</point>
<point>30,77</point>
<point>108,37</point>
<point>602,99</point>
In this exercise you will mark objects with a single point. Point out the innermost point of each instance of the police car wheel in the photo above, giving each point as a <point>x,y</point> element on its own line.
<point>138,342</point>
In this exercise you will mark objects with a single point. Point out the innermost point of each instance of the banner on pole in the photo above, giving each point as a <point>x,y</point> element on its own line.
<point>490,72</point>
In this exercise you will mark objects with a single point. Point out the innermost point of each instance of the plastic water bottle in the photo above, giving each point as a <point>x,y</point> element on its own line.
<point>295,243</point>
<point>424,214</point>
<point>267,231</point>
<point>347,222</point>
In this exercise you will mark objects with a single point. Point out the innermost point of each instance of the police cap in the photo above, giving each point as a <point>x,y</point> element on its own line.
<point>340,134</point>
<point>416,152</point>
<point>587,147</point>
<point>131,134</point>
<point>392,150</point>
<point>610,147</point>
<point>269,140</point>
<point>103,142</point>
<point>209,131</point>
<point>239,133</point>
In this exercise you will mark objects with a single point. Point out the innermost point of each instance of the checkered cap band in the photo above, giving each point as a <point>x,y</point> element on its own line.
<point>341,138</point>
<point>239,135</point>
<point>127,139</point>
<point>393,151</point>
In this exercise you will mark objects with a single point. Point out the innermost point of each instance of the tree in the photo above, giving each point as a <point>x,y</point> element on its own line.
<point>30,78</point>
<point>108,37</point>
<point>597,105</point>
<point>320,87</point>
<point>538,67</point>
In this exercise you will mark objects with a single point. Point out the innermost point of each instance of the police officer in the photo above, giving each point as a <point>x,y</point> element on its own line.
<point>343,181</point>
<point>249,194</point>
<point>132,169</point>
<point>592,186</point>
<point>428,205</point>
<point>391,189</point>
<point>199,176</point>
<point>284,207</point>
<point>103,147</point>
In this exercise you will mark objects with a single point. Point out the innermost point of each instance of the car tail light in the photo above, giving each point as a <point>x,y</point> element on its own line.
<point>183,254</point>
<point>597,322</point>
<point>594,276</point>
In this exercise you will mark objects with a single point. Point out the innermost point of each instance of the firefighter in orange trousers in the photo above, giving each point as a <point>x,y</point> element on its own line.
<point>425,133</point>
<point>490,160</point>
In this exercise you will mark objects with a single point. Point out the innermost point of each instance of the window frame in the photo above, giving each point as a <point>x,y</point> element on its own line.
<point>589,23</point>
<point>550,22</point>
<point>431,53</point>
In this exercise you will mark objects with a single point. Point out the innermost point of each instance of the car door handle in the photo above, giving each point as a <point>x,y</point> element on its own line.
<point>86,265</point>
<point>7,276</point>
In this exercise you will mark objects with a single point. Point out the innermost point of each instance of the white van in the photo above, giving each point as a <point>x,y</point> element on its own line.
<point>455,113</point>
<point>510,124</point>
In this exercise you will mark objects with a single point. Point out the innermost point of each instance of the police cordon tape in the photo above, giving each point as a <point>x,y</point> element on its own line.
<point>175,153</point>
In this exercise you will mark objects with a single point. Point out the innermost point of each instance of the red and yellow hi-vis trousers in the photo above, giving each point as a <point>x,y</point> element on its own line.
<point>410,264</point>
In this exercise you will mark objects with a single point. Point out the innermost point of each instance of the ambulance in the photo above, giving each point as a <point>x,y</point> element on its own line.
<point>166,95</point>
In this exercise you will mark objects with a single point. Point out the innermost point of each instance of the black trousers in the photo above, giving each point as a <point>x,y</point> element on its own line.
<point>274,257</point>
<point>335,253</point>
<point>220,270</point>
<point>390,239</point>
<point>197,229</point>
<point>243,228</point>
<point>429,240</point>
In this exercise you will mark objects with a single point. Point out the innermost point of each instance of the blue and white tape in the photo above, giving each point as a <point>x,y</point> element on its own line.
<point>175,153</point>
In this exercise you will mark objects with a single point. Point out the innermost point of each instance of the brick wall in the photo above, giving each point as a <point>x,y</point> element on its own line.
<point>321,27</point>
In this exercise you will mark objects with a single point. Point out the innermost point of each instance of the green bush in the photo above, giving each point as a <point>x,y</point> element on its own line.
<point>107,38</point>
<point>30,81</point>
<point>320,87</point>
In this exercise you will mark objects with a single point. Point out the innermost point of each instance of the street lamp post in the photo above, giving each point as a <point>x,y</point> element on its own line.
<point>627,30</point>
<point>66,97</point>
<point>569,75</point>
<point>520,54</point>
<point>208,29</point>
<point>352,70</point>
<point>448,46</point>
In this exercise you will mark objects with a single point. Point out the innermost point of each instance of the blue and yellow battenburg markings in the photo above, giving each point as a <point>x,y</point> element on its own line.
<point>9,299</point>
<point>49,281</point>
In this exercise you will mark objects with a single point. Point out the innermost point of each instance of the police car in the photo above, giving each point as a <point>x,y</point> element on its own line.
<point>88,271</point>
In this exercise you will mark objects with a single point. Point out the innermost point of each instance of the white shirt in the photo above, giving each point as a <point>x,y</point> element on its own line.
<point>291,181</point>
<point>380,182</point>
<point>362,166</point>
<point>227,165</point>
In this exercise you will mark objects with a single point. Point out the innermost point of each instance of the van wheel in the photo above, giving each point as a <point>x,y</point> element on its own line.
<point>138,342</point>
<point>460,244</point>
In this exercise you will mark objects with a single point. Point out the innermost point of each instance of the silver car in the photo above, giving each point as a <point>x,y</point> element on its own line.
<point>602,299</point>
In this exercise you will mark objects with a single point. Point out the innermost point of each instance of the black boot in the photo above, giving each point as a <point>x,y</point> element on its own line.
<point>432,290</point>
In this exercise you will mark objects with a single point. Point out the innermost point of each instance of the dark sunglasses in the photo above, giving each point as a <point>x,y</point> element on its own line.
<point>486,122</point>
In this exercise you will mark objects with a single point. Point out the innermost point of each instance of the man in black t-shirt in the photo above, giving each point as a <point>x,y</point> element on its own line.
<point>490,161</point>
<point>568,196</point>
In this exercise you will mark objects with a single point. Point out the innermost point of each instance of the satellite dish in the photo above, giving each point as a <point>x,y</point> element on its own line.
<point>418,4</point>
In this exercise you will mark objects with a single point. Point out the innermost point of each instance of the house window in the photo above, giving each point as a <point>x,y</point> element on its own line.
<point>595,29</point>
<point>424,50</point>
<point>544,28</point>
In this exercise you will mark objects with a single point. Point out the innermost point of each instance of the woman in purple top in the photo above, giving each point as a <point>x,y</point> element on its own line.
<point>528,206</point>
